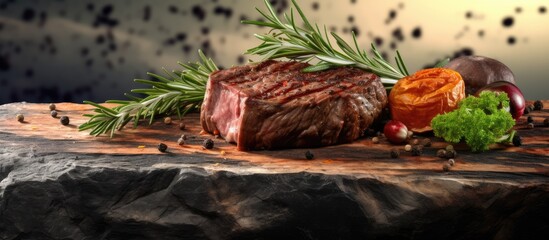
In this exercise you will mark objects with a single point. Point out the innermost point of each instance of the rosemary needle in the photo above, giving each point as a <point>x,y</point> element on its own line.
<point>175,93</point>
<point>287,40</point>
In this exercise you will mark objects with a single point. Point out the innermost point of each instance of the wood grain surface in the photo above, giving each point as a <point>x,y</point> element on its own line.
<point>44,134</point>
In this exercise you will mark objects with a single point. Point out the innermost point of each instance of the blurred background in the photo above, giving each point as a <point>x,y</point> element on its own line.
<point>60,50</point>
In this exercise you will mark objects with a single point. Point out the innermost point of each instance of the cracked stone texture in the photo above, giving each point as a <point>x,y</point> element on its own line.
<point>57,183</point>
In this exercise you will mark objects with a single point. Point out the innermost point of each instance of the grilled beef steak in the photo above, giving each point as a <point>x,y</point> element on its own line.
<point>273,105</point>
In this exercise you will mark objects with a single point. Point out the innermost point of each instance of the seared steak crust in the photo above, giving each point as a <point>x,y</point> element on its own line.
<point>273,105</point>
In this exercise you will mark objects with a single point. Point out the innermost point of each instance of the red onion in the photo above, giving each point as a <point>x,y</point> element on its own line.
<point>516,99</point>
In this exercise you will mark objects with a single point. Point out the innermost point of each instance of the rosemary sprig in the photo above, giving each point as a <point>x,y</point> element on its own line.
<point>305,43</point>
<point>178,92</point>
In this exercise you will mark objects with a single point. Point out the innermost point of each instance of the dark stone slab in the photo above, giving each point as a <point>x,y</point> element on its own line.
<point>56,183</point>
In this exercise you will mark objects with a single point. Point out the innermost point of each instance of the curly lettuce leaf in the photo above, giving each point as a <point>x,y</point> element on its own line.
<point>479,121</point>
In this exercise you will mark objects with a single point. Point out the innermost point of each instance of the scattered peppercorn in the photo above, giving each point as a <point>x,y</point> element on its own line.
<point>530,125</point>
<point>162,147</point>
<point>375,140</point>
<point>208,144</point>
<point>441,153</point>
<point>53,113</point>
<point>180,141</point>
<point>446,167</point>
<point>538,105</point>
<point>309,155</point>
<point>426,142</point>
<point>64,120</point>
<point>168,120</point>
<point>52,107</point>
<point>182,126</point>
<point>449,147</point>
<point>517,140</point>
<point>451,162</point>
<point>417,150</point>
<point>530,108</point>
<point>451,154</point>
<point>530,119</point>
<point>526,110</point>
<point>546,122</point>
<point>415,142</point>
<point>408,148</point>
<point>20,117</point>
<point>183,136</point>
<point>395,153</point>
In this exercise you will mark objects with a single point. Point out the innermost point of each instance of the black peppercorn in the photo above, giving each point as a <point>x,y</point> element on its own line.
<point>53,113</point>
<point>441,153</point>
<point>20,118</point>
<point>181,126</point>
<point>530,107</point>
<point>395,153</point>
<point>426,142</point>
<point>530,119</point>
<point>530,125</point>
<point>538,105</point>
<point>417,150</point>
<point>162,147</point>
<point>208,144</point>
<point>309,155</point>
<point>52,107</point>
<point>451,154</point>
<point>180,141</point>
<point>64,120</point>
<point>517,140</point>
<point>446,167</point>
<point>526,110</point>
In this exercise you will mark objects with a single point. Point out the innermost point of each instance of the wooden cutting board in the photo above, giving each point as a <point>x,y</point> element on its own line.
<point>44,134</point>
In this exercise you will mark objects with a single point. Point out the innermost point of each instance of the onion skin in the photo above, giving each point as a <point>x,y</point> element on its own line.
<point>516,98</point>
<point>396,132</point>
<point>479,71</point>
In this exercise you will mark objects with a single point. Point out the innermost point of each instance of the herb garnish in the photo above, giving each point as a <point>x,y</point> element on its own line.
<point>287,40</point>
<point>480,121</point>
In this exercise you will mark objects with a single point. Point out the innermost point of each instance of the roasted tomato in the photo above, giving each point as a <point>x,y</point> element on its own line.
<point>415,100</point>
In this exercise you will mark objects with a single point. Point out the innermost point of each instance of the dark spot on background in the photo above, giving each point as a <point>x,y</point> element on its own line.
<point>416,33</point>
<point>511,40</point>
<point>29,73</point>
<point>463,52</point>
<point>1,26</point>
<point>353,1</point>
<point>397,34</point>
<point>43,17</point>
<point>84,51</point>
<point>355,30</point>
<point>205,30</point>
<point>89,62</point>
<point>468,14</point>
<point>351,19</point>
<point>240,60</point>
<point>90,7</point>
<point>107,10</point>
<point>481,33</point>
<point>198,12</point>
<point>100,39</point>
<point>227,12</point>
<point>28,15</point>
<point>518,9</point>
<point>378,41</point>
<point>4,63</point>
<point>315,6</point>
<point>507,21</point>
<point>393,45</point>
<point>186,48</point>
<point>173,9</point>
<point>542,9</point>
<point>146,13</point>
<point>181,36</point>
<point>112,47</point>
